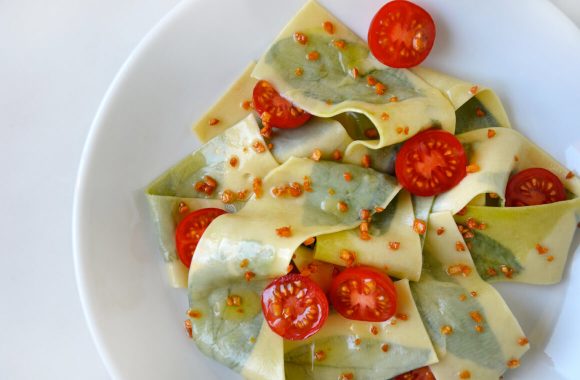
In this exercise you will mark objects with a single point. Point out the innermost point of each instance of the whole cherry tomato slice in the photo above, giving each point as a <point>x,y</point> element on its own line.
<point>280,112</point>
<point>401,34</point>
<point>190,229</point>
<point>363,294</point>
<point>430,163</point>
<point>423,373</point>
<point>534,186</point>
<point>294,306</point>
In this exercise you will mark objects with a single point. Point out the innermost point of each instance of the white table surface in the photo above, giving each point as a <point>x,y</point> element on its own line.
<point>57,59</point>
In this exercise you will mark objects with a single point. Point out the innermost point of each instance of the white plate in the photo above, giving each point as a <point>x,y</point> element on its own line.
<point>527,51</point>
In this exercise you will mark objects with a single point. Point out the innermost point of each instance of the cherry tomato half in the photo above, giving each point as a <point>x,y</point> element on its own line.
<point>282,113</point>
<point>430,163</point>
<point>401,34</point>
<point>423,373</point>
<point>294,307</point>
<point>534,186</point>
<point>190,229</point>
<point>364,294</point>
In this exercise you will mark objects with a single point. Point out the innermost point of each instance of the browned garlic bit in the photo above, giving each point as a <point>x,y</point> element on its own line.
<point>257,187</point>
<point>313,56</point>
<point>366,161</point>
<point>446,330</point>
<point>234,300</point>
<point>300,38</point>
<point>319,355</point>
<point>228,196</point>
<point>349,257</point>
<point>316,154</point>
<point>207,185</point>
<point>465,374</point>
<point>346,376</point>
<point>188,328</point>
<point>419,226</point>
<point>285,231</point>
<point>472,168</point>
<point>328,27</point>
<point>394,245</point>
<point>459,269</point>
<point>258,146</point>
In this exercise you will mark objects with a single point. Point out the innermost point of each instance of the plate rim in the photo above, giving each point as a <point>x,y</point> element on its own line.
<point>87,156</point>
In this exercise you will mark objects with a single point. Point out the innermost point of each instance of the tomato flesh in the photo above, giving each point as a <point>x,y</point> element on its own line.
<point>401,34</point>
<point>364,294</point>
<point>423,373</point>
<point>430,163</point>
<point>534,186</point>
<point>294,306</point>
<point>280,112</point>
<point>190,229</point>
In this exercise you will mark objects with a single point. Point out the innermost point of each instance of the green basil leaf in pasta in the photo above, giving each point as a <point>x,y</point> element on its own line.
<point>474,115</point>
<point>490,257</point>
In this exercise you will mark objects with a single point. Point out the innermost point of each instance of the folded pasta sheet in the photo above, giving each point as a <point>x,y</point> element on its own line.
<point>494,157</point>
<point>224,167</point>
<point>521,244</point>
<point>471,327</point>
<point>476,106</point>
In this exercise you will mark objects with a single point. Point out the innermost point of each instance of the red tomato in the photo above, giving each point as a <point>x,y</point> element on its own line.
<point>534,186</point>
<point>364,294</point>
<point>281,113</point>
<point>430,163</point>
<point>190,229</point>
<point>401,34</point>
<point>423,373</point>
<point>294,306</point>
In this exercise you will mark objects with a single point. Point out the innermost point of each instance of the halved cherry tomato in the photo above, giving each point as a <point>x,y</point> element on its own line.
<point>190,229</point>
<point>430,163</point>
<point>281,113</point>
<point>364,294</point>
<point>401,34</point>
<point>534,186</point>
<point>294,306</point>
<point>423,373</point>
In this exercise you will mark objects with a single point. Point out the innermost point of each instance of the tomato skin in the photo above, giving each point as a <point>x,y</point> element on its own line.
<point>541,187</point>
<point>348,298</point>
<point>281,112</point>
<point>401,34</point>
<point>286,313</point>
<point>423,373</point>
<point>437,161</point>
<point>190,229</point>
